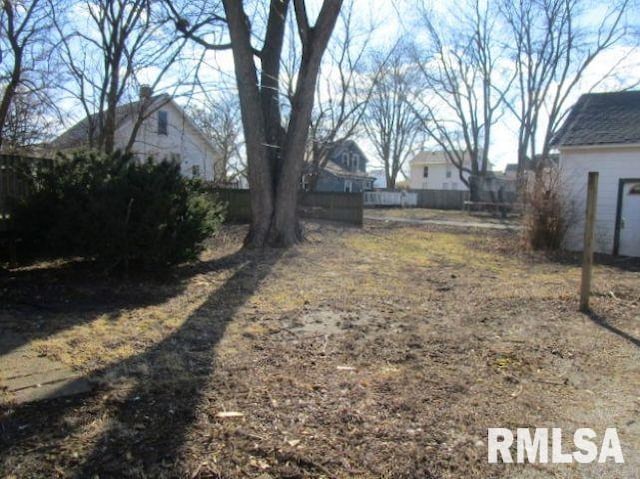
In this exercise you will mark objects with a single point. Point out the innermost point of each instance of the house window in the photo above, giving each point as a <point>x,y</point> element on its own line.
<point>448,173</point>
<point>195,171</point>
<point>425,172</point>
<point>163,118</point>
<point>304,183</point>
<point>445,186</point>
<point>454,186</point>
<point>348,186</point>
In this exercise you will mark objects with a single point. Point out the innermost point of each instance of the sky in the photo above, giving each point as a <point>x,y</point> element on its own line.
<point>395,18</point>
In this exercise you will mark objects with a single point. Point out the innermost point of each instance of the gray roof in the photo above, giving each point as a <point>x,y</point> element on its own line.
<point>601,119</point>
<point>337,170</point>
<point>78,135</point>
<point>337,146</point>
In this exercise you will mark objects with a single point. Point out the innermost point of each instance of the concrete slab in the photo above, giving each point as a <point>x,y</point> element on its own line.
<point>26,376</point>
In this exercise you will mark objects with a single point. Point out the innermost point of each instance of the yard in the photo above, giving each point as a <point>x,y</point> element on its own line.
<point>437,216</point>
<point>385,351</point>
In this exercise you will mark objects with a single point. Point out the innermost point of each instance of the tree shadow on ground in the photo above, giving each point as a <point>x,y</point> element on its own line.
<point>145,427</point>
<point>621,263</point>
<point>42,301</point>
<point>602,322</point>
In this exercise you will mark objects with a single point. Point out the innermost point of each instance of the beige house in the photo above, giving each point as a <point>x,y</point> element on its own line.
<point>167,132</point>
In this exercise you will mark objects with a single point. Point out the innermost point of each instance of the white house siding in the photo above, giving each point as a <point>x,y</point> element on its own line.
<point>437,179</point>
<point>612,164</point>
<point>182,139</point>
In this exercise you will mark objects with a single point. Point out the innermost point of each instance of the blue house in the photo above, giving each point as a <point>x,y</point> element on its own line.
<point>345,170</point>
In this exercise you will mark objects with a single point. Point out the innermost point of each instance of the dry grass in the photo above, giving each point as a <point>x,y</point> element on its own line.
<point>443,215</point>
<point>383,352</point>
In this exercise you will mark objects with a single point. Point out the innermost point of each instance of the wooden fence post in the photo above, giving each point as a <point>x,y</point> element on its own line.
<point>587,256</point>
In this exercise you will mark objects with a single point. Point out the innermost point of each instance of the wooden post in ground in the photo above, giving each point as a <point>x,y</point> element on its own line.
<point>587,257</point>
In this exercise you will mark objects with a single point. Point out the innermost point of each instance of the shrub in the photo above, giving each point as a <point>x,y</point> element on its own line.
<point>549,214</point>
<point>117,210</point>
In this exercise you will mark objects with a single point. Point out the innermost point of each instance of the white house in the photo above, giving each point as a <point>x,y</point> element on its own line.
<point>432,170</point>
<point>602,134</point>
<point>167,132</point>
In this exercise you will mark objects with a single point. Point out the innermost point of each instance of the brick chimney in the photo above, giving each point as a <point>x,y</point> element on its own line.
<point>145,92</point>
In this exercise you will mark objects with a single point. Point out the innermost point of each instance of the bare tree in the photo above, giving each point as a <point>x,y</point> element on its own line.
<point>219,119</point>
<point>391,120</point>
<point>28,124</point>
<point>105,57</point>
<point>342,93</point>
<point>465,86</point>
<point>275,149</point>
<point>553,44</point>
<point>26,50</point>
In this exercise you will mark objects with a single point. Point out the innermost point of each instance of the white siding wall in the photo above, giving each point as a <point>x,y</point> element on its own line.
<point>181,139</point>
<point>437,179</point>
<point>612,164</point>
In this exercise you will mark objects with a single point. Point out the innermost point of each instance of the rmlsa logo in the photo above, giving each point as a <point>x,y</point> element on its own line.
<point>536,449</point>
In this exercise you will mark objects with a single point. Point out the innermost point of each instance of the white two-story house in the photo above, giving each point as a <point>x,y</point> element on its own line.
<point>166,132</point>
<point>432,170</point>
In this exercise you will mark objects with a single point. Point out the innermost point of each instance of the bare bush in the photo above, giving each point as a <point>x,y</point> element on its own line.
<point>549,213</point>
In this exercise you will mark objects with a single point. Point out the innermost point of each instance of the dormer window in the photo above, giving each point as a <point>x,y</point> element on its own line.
<point>163,123</point>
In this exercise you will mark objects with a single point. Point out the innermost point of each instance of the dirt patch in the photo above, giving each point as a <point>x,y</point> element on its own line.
<point>382,352</point>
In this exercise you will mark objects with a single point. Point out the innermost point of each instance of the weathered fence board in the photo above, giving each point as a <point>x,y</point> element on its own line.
<point>442,199</point>
<point>13,184</point>
<point>238,204</point>
<point>332,206</point>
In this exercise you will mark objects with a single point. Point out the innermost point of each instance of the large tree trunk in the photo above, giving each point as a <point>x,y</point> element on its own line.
<point>286,229</point>
<point>318,162</point>
<point>259,171</point>
<point>112,102</point>
<point>275,155</point>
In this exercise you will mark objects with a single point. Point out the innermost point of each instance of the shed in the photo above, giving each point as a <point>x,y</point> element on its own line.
<point>602,134</point>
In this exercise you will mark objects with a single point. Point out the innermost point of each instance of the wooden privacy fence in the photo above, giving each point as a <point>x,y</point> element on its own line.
<point>238,204</point>
<point>332,206</point>
<point>442,199</point>
<point>13,184</point>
